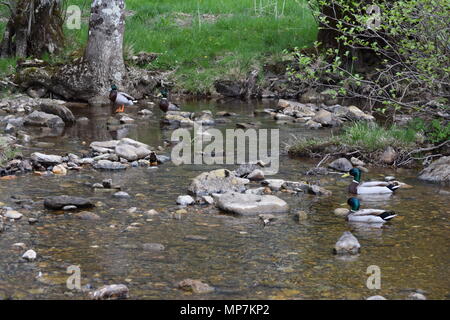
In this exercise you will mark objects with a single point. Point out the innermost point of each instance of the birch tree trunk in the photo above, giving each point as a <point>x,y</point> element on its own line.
<point>104,52</point>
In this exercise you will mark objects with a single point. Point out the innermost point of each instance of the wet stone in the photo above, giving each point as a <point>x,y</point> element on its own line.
<point>153,247</point>
<point>110,292</point>
<point>121,195</point>
<point>195,286</point>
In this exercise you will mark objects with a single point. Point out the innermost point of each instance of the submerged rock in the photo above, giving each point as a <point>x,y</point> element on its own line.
<point>85,215</point>
<point>347,244</point>
<point>195,286</point>
<point>110,292</point>
<point>153,247</point>
<point>437,171</point>
<point>59,202</point>
<point>217,181</point>
<point>250,204</point>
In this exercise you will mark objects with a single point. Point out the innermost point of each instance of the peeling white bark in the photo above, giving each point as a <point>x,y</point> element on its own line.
<point>104,52</point>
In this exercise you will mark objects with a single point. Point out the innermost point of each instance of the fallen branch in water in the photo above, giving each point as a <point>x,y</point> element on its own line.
<point>407,158</point>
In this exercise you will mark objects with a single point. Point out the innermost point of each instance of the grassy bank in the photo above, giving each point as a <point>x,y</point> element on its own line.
<point>204,40</point>
<point>368,139</point>
<point>7,152</point>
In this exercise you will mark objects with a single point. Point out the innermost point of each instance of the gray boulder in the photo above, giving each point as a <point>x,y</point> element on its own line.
<point>46,158</point>
<point>437,171</point>
<point>110,292</point>
<point>59,110</point>
<point>59,202</point>
<point>250,204</point>
<point>341,164</point>
<point>326,119</point>
<point>42,119</point>
<point>217,181</point>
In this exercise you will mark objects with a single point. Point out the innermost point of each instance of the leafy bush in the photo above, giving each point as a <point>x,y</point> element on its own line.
<point>435,131</point>
<point>410,50</point>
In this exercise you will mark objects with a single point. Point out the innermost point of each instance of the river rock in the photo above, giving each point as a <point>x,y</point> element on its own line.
<point>85,215</point>
<point>388,156</point>
<point>29,255</point>
<point>341,212</point>
<point>59,110</point>
<point>59,202</point>
<point>376,298</point>
<point>42,119</point>
<point>185,200</point>
<point>153,247</point>
<point>121,195</point>
<point>249,204</point>
<point>110,292</point>
<point>46,159</point>
<point>13,214</point>
<point>313,125</point>
<point>341,164</point>
<point>437,171</point>
<point>195,286</point>
<point>109,165</point>
<point>273,184</point>
<point>59,169</point>
<point>356,162</point>
<point>347,244</point>
<point>354,113</point>
<point>326,119</point>
<point>217,181</point>
<point>416,296</point>
<point>256,175</point>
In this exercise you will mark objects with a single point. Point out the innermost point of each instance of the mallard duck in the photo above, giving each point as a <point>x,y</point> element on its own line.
<point>120,98</point>
<point>164,104</point>
<point>367,215</point>
<point>371,187</point>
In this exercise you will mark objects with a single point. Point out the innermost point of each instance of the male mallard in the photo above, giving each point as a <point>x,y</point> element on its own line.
<point>367,215</point>
<point>120,98</point>
<point>164,104</point>
<point>371,187</point>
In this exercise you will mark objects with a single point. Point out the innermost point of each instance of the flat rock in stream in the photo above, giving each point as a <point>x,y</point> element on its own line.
<point>109,165</point>
<point>46,158</point>
<point>59,202</point>
<point>217,181</point>
<point>195,286</point>
<point>42,119</point>
<point>250,204</point>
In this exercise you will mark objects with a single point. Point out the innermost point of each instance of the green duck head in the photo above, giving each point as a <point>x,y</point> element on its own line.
<point>113,87</point>
<point>353,203</point>
<point>164,92</point>
<point>355,172</point>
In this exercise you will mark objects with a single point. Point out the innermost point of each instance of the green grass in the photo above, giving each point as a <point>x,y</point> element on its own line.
<point>236,40</point>
<point>363,136</point>
<point>7,152</point>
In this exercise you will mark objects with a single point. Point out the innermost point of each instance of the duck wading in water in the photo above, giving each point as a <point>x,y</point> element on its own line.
<point>372,187</point>
<point>367,215</point>
<point>164,104</point>
<point>120,99</point>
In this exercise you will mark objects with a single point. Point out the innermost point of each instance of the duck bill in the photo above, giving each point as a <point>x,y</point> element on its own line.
<point>345,175</point>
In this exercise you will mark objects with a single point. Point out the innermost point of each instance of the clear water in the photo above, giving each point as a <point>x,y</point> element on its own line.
<point>239,256</point>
